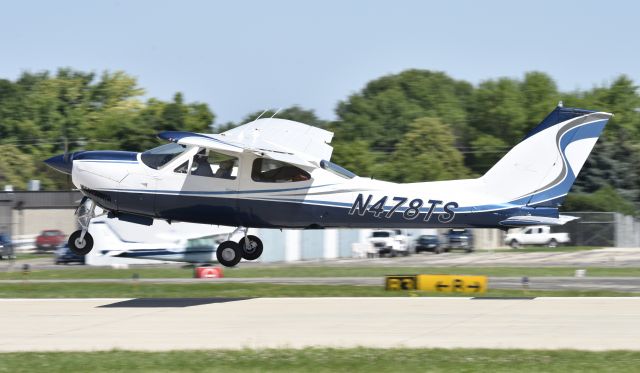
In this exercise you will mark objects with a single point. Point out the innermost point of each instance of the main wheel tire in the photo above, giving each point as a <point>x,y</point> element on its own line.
<point>254,249</point>
<point>553,243</point>
<point>514,244</point>
<point>229,253</point>
<point>80,246</point>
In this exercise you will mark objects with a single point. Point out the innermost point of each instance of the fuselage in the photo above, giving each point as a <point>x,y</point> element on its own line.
<point>276,174</point>
<point>123,183</point>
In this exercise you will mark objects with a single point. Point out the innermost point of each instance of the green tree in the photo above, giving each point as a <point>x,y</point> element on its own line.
<point>615,158</point>
<point>383,111</point>
<point>604,199</point>
<point>426,152</point>
<point>42,114</point>
<point>540,94</point>
<point>16,167</point>
<point>356,157</point>
<point>485,151</point>
<point>498,110</point>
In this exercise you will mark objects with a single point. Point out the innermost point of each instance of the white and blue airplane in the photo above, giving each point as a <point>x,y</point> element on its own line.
<point>276,173</point>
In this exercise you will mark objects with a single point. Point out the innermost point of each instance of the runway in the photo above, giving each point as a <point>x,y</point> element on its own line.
<point>104,324</point>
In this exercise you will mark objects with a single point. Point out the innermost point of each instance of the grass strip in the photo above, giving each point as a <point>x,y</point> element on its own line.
<point>310,271</point>
<point>324,360</point>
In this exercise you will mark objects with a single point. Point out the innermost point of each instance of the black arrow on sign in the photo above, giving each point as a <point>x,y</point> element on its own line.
<point>476,286</point>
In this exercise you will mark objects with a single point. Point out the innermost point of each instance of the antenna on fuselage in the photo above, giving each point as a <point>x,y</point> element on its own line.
<point>261,114</point>
<point>276,113</point>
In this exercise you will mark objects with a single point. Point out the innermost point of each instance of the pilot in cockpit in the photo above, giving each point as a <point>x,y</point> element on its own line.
<point>201,166</point>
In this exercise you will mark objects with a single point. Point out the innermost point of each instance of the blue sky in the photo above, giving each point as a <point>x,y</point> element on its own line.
<point>243,56</point>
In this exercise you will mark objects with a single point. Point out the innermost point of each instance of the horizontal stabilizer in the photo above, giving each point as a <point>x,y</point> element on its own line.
<point>526,220</point>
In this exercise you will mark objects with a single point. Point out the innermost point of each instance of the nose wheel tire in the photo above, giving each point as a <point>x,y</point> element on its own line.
<point>229,253</point>
<point>253,250</point>
<point>80,246</point>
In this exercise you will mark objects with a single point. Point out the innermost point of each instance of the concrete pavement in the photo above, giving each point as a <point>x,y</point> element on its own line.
<point>542,323</point>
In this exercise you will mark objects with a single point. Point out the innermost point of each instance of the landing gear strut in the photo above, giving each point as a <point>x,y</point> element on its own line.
<point>80,241</point>
<point>229,253</point>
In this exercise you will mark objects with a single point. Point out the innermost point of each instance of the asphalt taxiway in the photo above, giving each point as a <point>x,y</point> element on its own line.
<point>104,324</point>
<point>622,284</point>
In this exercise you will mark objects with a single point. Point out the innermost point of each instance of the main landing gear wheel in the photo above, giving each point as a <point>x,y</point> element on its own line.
<point>229,253</point>
<point>80,245</point>
<point>253,250</point>
<point>80,241</point>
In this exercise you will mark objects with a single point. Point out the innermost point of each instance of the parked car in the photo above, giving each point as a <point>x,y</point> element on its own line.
<point>428,242</point>
<point>6,247</point>
<point>535,235</point>
<point>66,256</point>
<point>459,239</point>
<point>389,242</point>
<point>50,239</point>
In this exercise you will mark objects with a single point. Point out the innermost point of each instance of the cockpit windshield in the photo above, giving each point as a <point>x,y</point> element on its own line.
<point>335,169</point>
<point>158,157</point>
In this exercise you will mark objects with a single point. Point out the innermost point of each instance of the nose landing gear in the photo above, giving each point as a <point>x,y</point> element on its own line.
<point>229,253</point>
<point>80,241</point>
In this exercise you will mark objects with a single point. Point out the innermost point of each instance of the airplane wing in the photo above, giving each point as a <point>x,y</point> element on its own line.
<point>278,139</point>
<point>298,138</point>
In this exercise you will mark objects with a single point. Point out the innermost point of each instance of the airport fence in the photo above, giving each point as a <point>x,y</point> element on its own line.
<point>607,229</point>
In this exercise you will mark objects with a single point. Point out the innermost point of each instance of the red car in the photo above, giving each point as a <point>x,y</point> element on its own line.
<point>50,239</point>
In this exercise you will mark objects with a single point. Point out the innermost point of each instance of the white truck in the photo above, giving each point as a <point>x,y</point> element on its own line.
<point>535,235</point>
<point>390,242</point>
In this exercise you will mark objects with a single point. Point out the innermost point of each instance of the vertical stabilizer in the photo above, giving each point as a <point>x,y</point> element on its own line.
<point>540,170</point>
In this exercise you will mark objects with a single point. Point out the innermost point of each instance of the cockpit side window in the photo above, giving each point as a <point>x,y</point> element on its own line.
<point>158,157</point>
<point>271,171</point>
<point>213,164</point>
<point>183,168</point>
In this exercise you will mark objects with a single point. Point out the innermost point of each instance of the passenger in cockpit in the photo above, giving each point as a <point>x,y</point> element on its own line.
<point>224,169</point>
